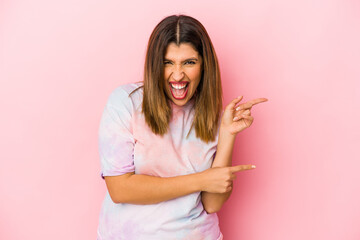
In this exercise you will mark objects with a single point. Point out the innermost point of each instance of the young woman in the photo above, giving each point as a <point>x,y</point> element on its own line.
<point>166,144</point>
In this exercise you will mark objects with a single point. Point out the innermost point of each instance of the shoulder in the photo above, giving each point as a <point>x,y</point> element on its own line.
<point>125,95</point>
<point>124,90</point>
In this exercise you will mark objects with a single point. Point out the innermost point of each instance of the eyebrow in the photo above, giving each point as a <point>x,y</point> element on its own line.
<point>184,60</point>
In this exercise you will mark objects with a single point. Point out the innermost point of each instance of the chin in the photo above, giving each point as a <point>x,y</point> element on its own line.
<point>179,102</point>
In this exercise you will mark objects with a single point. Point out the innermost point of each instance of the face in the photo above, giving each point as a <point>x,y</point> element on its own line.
<point>182,72</point>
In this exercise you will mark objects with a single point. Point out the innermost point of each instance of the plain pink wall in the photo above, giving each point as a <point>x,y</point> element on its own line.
<point>61,59</point>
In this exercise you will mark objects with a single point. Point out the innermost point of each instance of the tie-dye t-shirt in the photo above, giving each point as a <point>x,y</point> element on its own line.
<point>127,144</point>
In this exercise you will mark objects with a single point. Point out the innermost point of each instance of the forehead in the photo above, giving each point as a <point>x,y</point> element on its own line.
<point>183,51</point>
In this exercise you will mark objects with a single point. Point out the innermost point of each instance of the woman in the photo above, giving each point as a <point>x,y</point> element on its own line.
<point>158,139</point>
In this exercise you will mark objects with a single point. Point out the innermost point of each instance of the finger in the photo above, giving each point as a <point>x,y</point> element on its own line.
<point>241,116</point>
<point>239,168</point>
<point>258,100</point>
<point>233,103</point>
<point>251,103</point>
<point>246,112</point>
<point>249,121</point>
<point>248,117</point>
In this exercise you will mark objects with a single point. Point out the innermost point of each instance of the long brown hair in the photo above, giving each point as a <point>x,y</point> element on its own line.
<point>208,96</point>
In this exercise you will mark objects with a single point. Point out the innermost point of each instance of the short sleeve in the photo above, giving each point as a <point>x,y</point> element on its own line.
<point>116,142</point>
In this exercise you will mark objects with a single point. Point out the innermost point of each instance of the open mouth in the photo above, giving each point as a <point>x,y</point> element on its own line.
<point>179,90</point>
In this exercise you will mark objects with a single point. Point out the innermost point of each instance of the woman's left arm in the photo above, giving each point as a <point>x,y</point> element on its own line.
<point>213,202</point>
<point>235,119</point>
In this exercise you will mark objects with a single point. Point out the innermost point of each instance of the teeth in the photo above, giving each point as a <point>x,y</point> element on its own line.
<point>178,86</point>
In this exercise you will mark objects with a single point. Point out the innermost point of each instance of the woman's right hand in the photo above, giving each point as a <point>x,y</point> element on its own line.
<point>219,179</point>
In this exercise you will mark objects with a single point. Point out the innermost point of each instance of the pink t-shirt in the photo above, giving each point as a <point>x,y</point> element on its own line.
<point>127,144</point>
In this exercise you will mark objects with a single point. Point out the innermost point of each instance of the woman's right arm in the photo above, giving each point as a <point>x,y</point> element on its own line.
<point>146,189</point>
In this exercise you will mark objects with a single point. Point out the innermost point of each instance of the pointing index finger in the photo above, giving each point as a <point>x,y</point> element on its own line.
<point>258,100</point>
<point>251,103</point>
<point>239,168</point>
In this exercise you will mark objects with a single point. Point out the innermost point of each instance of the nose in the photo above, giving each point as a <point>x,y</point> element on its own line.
<point>178,73</point>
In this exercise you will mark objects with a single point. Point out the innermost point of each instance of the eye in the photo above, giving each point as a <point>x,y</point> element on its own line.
<point>167,62</point>
<point>190,62</point>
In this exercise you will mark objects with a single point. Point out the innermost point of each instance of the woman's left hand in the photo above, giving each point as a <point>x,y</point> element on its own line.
<point>238,117</point>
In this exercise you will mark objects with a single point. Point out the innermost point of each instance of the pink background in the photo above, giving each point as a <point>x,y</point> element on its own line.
<point>61,59</point>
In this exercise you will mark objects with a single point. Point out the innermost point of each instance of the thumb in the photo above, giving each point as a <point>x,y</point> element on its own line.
<point>233,103</point>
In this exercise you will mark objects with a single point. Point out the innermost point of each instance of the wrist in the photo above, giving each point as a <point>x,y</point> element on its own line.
<point>225,135</point>
<point>199,181</point>
<point>224,130</point>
